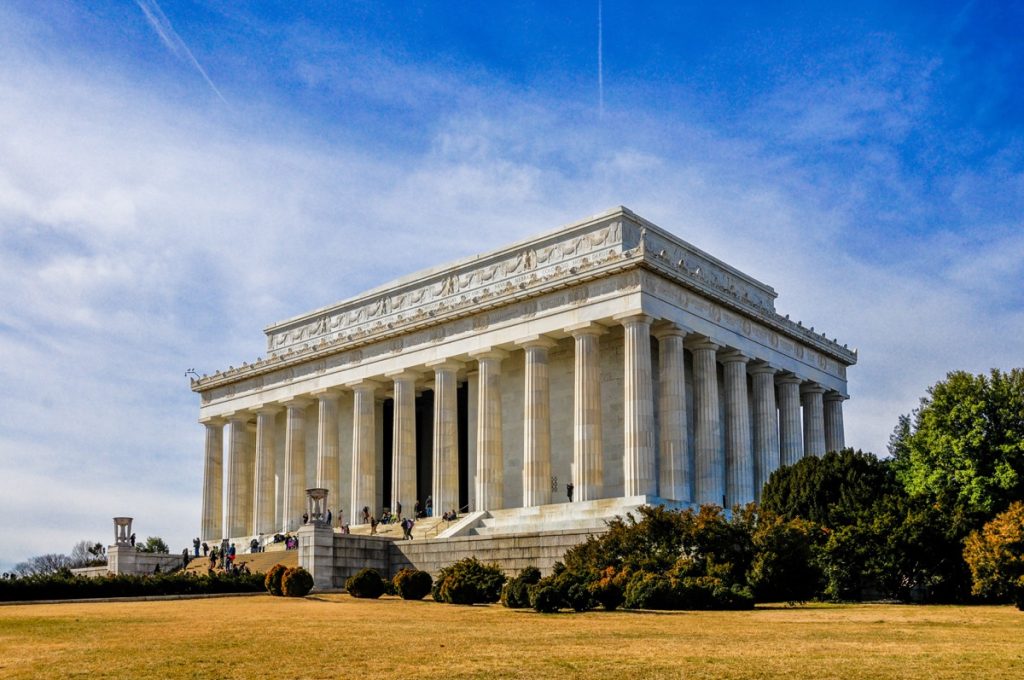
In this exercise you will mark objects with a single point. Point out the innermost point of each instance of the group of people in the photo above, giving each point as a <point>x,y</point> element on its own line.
<point>425,510</point>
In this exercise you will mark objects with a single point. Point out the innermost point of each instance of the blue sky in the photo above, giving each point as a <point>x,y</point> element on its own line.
<point>176,175</point>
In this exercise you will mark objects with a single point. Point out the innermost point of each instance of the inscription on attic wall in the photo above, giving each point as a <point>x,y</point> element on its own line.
<point>597,289</point>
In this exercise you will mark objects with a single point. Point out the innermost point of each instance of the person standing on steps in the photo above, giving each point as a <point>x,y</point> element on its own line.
<point>569,488</point>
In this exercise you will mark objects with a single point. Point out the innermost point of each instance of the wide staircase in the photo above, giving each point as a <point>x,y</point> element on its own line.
<point>257,562</point>
<point>581,515</point>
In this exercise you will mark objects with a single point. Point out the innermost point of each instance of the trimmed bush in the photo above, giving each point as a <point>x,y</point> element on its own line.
<point>647,590</point>
<point>516,593</point>
<point>469,581</point>
<point>545,598</point>
<point>273,580</point>
<point>579,598</point>
<point>296,582</point>
<point>365,583</point>
<point>412,584</point>
<point>608,590</point>
<point>70,587</point>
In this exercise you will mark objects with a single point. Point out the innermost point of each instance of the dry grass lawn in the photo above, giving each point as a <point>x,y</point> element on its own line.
<point>332,636</point>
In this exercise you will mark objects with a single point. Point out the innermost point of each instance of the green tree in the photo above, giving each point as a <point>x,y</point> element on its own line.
<point>963,448</point>
<point>833,490</point>
<point>153,544</point>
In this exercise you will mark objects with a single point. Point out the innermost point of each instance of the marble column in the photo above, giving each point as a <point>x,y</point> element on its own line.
<point>328,470</point>
<point>472,401</point>
<point>587,441</point>
<point>239,458</point>
<point>708,455</point>
<point>835,438</point>
<point>364,450</point>
<point>675,473</point>
<point>403,443</point>
<point>490,466</point>
<point>294,463</point>
<point>739,460</point>
<point>446,437</point>
<point>536,422</point>
<point>638,395</point>
<point>766,425</point>
<point>213,481</point>
<point>266,463</point>
<point>814,419</point>
<point>791,439</point>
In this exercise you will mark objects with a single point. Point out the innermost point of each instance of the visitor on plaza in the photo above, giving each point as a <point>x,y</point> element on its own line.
<point>195,545</point>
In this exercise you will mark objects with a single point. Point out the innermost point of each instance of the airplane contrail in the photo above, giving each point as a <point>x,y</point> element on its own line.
<point>170,38</point>
<point>600,60</point>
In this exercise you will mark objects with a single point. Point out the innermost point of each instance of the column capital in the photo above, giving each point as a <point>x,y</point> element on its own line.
<point>669,330</point>
<point>811,388</point>
<point>267,409</point>
<point>445,364</point>
<point>733,356</point>
<point>759,367</point>
<point>585,328</point>
<point>788,378</point>
<point>327,393</point>
<point>532,341</point>
<point>404,374</point>
<point>296,402</point>
<point>636,316</point>
<point>241,415</point>
<point>489,353</point>
<point>703,342</point>
<point>213,421</point>
<point>363,385</point>
<point>832,395</point>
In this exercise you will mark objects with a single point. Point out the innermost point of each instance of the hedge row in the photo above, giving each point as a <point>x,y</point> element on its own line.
<point>67,586</point>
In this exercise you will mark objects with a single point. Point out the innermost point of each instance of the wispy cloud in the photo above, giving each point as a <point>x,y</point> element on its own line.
<point>162,25</point>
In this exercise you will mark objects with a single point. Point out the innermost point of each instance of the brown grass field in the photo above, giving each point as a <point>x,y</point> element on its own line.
<point>336,636</point>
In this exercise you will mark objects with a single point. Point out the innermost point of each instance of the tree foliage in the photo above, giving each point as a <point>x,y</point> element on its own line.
<point>153,544</point>
<point>995,556</point>
<point>834,490</point>
<point>963,448</point>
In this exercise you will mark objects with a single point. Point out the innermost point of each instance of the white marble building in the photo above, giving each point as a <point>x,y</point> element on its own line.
<point>607,353</point>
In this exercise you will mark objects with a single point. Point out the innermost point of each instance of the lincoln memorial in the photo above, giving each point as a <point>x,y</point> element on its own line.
<point>609,354</point>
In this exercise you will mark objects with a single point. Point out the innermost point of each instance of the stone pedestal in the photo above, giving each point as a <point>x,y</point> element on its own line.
<point>316,554</point>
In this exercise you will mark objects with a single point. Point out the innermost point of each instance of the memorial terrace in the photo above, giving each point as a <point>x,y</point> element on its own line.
<point>607,358</point>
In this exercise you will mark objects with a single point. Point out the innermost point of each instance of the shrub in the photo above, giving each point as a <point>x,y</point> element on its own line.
<point>515,594</point>
<point>412,584</point>
<point>272,582</point>
<point>647,590</point>
<point>68,586</point>
<point>545,598</point>
<point>296,582</point>
<point>469,581</point>
<point>784,568</point>
<point>579,598</point>
<point>365,583</point>
<point>608,590</point>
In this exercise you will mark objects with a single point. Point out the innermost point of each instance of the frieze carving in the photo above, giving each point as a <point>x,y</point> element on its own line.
<point>451,291</point>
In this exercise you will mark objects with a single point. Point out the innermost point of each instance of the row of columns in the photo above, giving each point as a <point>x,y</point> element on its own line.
<point>760,432</point>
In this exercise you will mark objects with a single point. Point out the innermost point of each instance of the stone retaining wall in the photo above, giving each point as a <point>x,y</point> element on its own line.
<point>348,554</point>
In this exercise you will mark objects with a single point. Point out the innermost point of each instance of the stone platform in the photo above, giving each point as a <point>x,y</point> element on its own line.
<point>512,538</point>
